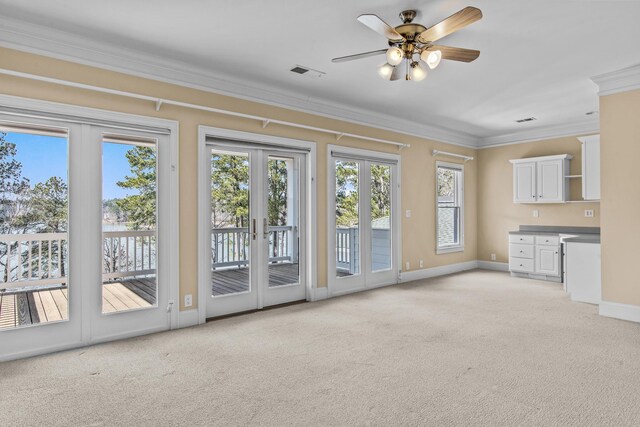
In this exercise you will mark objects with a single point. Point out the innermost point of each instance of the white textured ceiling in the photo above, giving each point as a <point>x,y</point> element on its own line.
<point>536,59</point>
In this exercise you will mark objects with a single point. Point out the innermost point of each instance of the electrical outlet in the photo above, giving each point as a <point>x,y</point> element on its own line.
<point>493,257</point>
<point>536,213</point>
<point>188,300</point>
<point>408,213</point>
<point>407,265</point>
<point>421,264</point>
<point>588,213</point>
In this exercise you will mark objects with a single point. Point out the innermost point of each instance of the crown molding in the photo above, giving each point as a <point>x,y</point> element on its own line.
<point>583,127</point>
<point>37,39</point>
<point>623,80</point>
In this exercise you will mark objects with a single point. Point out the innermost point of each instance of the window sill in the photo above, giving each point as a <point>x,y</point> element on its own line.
<point>449,249</point>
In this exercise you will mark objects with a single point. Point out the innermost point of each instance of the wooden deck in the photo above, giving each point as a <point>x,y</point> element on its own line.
<point>236,280</point>
<point>28,308</point>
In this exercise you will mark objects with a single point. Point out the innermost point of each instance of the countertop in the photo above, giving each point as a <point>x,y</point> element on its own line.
<point>585,238</point>
<point>588,233</point>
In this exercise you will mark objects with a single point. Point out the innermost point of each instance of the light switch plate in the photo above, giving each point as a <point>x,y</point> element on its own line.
<point>408,213</point>
<point>588,213</point>
<point>536,213</point>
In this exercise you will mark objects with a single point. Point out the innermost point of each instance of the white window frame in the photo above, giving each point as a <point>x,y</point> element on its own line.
<point>459,247</point>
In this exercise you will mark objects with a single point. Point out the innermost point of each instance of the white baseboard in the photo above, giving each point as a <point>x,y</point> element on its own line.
<point>187,318</point>
<point>492,265</point>
<point>318,294</point>
<point>426,273</point>
<point>620,311</point>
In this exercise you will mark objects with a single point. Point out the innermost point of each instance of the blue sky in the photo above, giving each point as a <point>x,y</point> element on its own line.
<point>45,156</point>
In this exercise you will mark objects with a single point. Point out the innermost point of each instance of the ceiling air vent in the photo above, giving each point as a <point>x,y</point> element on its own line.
<point>528,119</point>
<point>307,72</point>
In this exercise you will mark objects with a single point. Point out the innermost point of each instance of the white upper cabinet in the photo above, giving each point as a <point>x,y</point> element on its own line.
<point>541,179</point>
<point>590,167</point>
<point>524,182</point>
<point>550,181</point>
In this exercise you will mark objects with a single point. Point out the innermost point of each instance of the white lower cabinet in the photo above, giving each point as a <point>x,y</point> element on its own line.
<point>537,256</point>
<point>547,260</point>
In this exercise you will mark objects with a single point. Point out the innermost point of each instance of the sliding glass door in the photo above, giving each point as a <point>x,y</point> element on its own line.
<point>363,223</point>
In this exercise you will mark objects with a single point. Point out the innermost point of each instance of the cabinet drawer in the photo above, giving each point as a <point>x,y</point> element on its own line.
<point>521,251</point>
<point>521,264</point>
<point>548,240</point>
<point>521,238</point>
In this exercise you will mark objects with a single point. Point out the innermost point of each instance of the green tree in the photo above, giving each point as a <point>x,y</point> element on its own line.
<point>14,199</point>
<point>347,193</point>
<point>277,201</point>
<point>49,205</point>
<point>14,190</point>
<point>229,190</point>
<point>140,208</point>
<point>380,191</point>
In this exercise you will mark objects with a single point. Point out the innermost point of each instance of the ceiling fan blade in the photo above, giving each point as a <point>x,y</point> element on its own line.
<point>397,72</point>
<point>455,22</point>
<point>359,55</point>
<point>380,27</point>
<point>456,53</point>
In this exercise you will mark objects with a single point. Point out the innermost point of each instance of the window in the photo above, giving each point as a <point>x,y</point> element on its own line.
<point>450,207</point>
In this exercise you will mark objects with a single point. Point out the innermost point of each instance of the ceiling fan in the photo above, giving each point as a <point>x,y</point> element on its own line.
<point>413,44</point>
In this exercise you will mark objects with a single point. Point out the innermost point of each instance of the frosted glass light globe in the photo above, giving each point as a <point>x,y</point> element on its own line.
<point>394,56</point>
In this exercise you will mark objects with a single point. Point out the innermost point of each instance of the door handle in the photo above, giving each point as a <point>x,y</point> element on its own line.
<point>255,229</point>
<point>265,228</point>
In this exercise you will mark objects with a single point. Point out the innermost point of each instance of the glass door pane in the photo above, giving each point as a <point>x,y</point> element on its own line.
<point>129,217</point>
<point>230,236</point>
<point>347,218</point>
<point>380,217</point>
<point>283,214</point>
<point>34,260</point>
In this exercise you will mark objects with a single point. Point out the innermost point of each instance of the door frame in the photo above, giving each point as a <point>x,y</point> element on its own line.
<point>26,109</point>
<point>360,154</point>
<point>204,182</point>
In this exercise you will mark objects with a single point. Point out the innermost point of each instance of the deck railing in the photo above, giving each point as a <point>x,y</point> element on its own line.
<point>230,246</point>
<point>128,253</point>
<point>348,249</point>
<point>347,240</point>
<point>32,259</point>
<point>40,259</point>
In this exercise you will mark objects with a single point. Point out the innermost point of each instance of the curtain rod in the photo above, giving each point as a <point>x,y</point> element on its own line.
<point>161,101</point>
<point>445,153</point>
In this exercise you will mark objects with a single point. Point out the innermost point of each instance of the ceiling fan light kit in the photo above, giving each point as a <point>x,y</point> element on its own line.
<point>413,44</point>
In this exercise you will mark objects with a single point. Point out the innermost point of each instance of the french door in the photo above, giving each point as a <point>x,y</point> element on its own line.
<point>257,228</point>
<point>84,247</point>
<point>363,220</point>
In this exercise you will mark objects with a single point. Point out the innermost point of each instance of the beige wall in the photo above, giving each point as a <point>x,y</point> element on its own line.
<point>620,151</point>
<point>497,214</point>
<point>418,176</point>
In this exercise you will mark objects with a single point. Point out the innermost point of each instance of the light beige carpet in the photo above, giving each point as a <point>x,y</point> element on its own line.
<point>478,348</point>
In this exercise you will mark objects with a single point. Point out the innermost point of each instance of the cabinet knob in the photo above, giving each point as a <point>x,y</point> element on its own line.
<point>521,252</point>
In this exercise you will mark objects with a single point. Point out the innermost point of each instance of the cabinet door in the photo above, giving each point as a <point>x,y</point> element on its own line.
<point>550,175</point>
<point>591,167</point>
<point>524,182</point>
<point>548,260</point>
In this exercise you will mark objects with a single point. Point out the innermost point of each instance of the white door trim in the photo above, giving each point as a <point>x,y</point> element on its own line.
<point>204,200</point>
<point>331,208</point>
